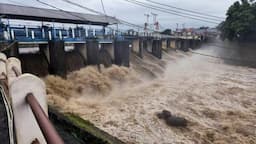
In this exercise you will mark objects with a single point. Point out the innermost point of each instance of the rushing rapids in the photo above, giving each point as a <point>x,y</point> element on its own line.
<point>216,98</point>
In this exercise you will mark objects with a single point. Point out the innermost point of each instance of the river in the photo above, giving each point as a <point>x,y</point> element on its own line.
<point>216,96</point>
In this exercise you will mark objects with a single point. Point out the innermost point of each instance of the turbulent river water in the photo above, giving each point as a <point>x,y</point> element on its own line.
<point>216,96</point>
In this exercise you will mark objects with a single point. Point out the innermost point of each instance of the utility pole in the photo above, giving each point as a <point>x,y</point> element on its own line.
<point>155,22</point>
<point>146,23</point>
<point>147,16</point>
<point>154,17</point>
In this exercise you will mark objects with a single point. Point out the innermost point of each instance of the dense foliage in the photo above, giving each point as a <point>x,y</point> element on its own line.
<point>240,23</point>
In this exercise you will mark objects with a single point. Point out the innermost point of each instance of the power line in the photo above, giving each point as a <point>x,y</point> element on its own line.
<point>147,17</point>
<point>170,11</point>
<point>20,3</point>
<point>102,4</point>
<point>51,6</point>
<point>191,11</point>
<point>69,12</point>
<point>178,12</point>
<point>154,17</point>
<point>127,23</point>
<point>166,11</point>
<point>61,10</point>
<point>92,10</point>
<point>124,22</point>
<point>100,13</point>
<point>89,9</point>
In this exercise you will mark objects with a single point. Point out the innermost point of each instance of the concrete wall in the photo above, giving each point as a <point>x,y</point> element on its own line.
<point>141,50</point>
<point>55,59</point>
<point>14,50</point>
<point>75,61</point>
<point>185,45</point>
<point>173,44</point>
<point>92,52</point>
<point>58,58</point>
<point>110,48</point>
<point>44,50</point>
<point>82,50</point>
<point>105,56</point>
<point>164,45</point>
<point>197,43</point>
<point>136,46</point>
<point>36,64</point>
<point>99,53</point>
<point>149,44</point>
<point>122,52</point>
<point>157,48</point>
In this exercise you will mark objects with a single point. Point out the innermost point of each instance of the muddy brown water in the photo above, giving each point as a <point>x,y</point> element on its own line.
<point>217,98</point>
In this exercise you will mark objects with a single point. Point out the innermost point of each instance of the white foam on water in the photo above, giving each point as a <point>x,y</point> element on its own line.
<point>217,99</point>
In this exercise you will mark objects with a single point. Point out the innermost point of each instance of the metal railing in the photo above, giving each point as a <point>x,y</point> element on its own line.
<point>16,71</point>
<point>50,134</point>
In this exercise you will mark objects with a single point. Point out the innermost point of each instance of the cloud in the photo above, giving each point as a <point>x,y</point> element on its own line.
<point>135,14</point>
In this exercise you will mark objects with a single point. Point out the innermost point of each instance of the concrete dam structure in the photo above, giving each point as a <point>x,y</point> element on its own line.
<point>58,50</point>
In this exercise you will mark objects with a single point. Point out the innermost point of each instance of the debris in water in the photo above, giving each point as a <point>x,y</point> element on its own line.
<point>172,120</point>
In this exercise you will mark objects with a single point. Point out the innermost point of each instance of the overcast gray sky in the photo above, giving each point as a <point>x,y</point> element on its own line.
<point>135,14</point>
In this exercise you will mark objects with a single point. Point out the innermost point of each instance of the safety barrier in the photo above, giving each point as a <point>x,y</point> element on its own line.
<point>27,97</point>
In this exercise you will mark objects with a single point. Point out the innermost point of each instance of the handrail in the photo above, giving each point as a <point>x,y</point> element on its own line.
<point>16,71</point>
<point>50,134</point>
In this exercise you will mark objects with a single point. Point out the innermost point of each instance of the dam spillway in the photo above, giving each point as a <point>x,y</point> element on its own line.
<point>55,46</point>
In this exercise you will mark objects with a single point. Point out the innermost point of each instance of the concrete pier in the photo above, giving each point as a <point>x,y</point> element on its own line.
<point>164,44</point>
<point>82,50</point>
<point>148,45</point>
<point>138,46</point>
<point>185,45</point>
<point>141,48</point>
<point>44,50</point>
<point>135,46</point>
<point>157,48</point>
<point>14,51</point>
<point>58,58</point>
<point>75,60</point>
<point>109,47</point>
<point>106,54</point>
<point>122,50</point>
<point>92,52</point>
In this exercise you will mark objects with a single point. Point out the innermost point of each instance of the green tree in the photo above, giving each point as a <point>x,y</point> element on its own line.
<point>240,22</point>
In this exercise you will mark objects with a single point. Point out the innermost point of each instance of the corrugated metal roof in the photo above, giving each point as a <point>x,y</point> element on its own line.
<point>41,14</point>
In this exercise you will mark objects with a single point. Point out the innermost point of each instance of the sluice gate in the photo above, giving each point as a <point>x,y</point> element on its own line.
<point>26,118</point>
<point>52,48</point>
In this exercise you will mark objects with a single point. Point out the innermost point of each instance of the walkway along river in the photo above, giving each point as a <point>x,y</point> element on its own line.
<point>217,98</point>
